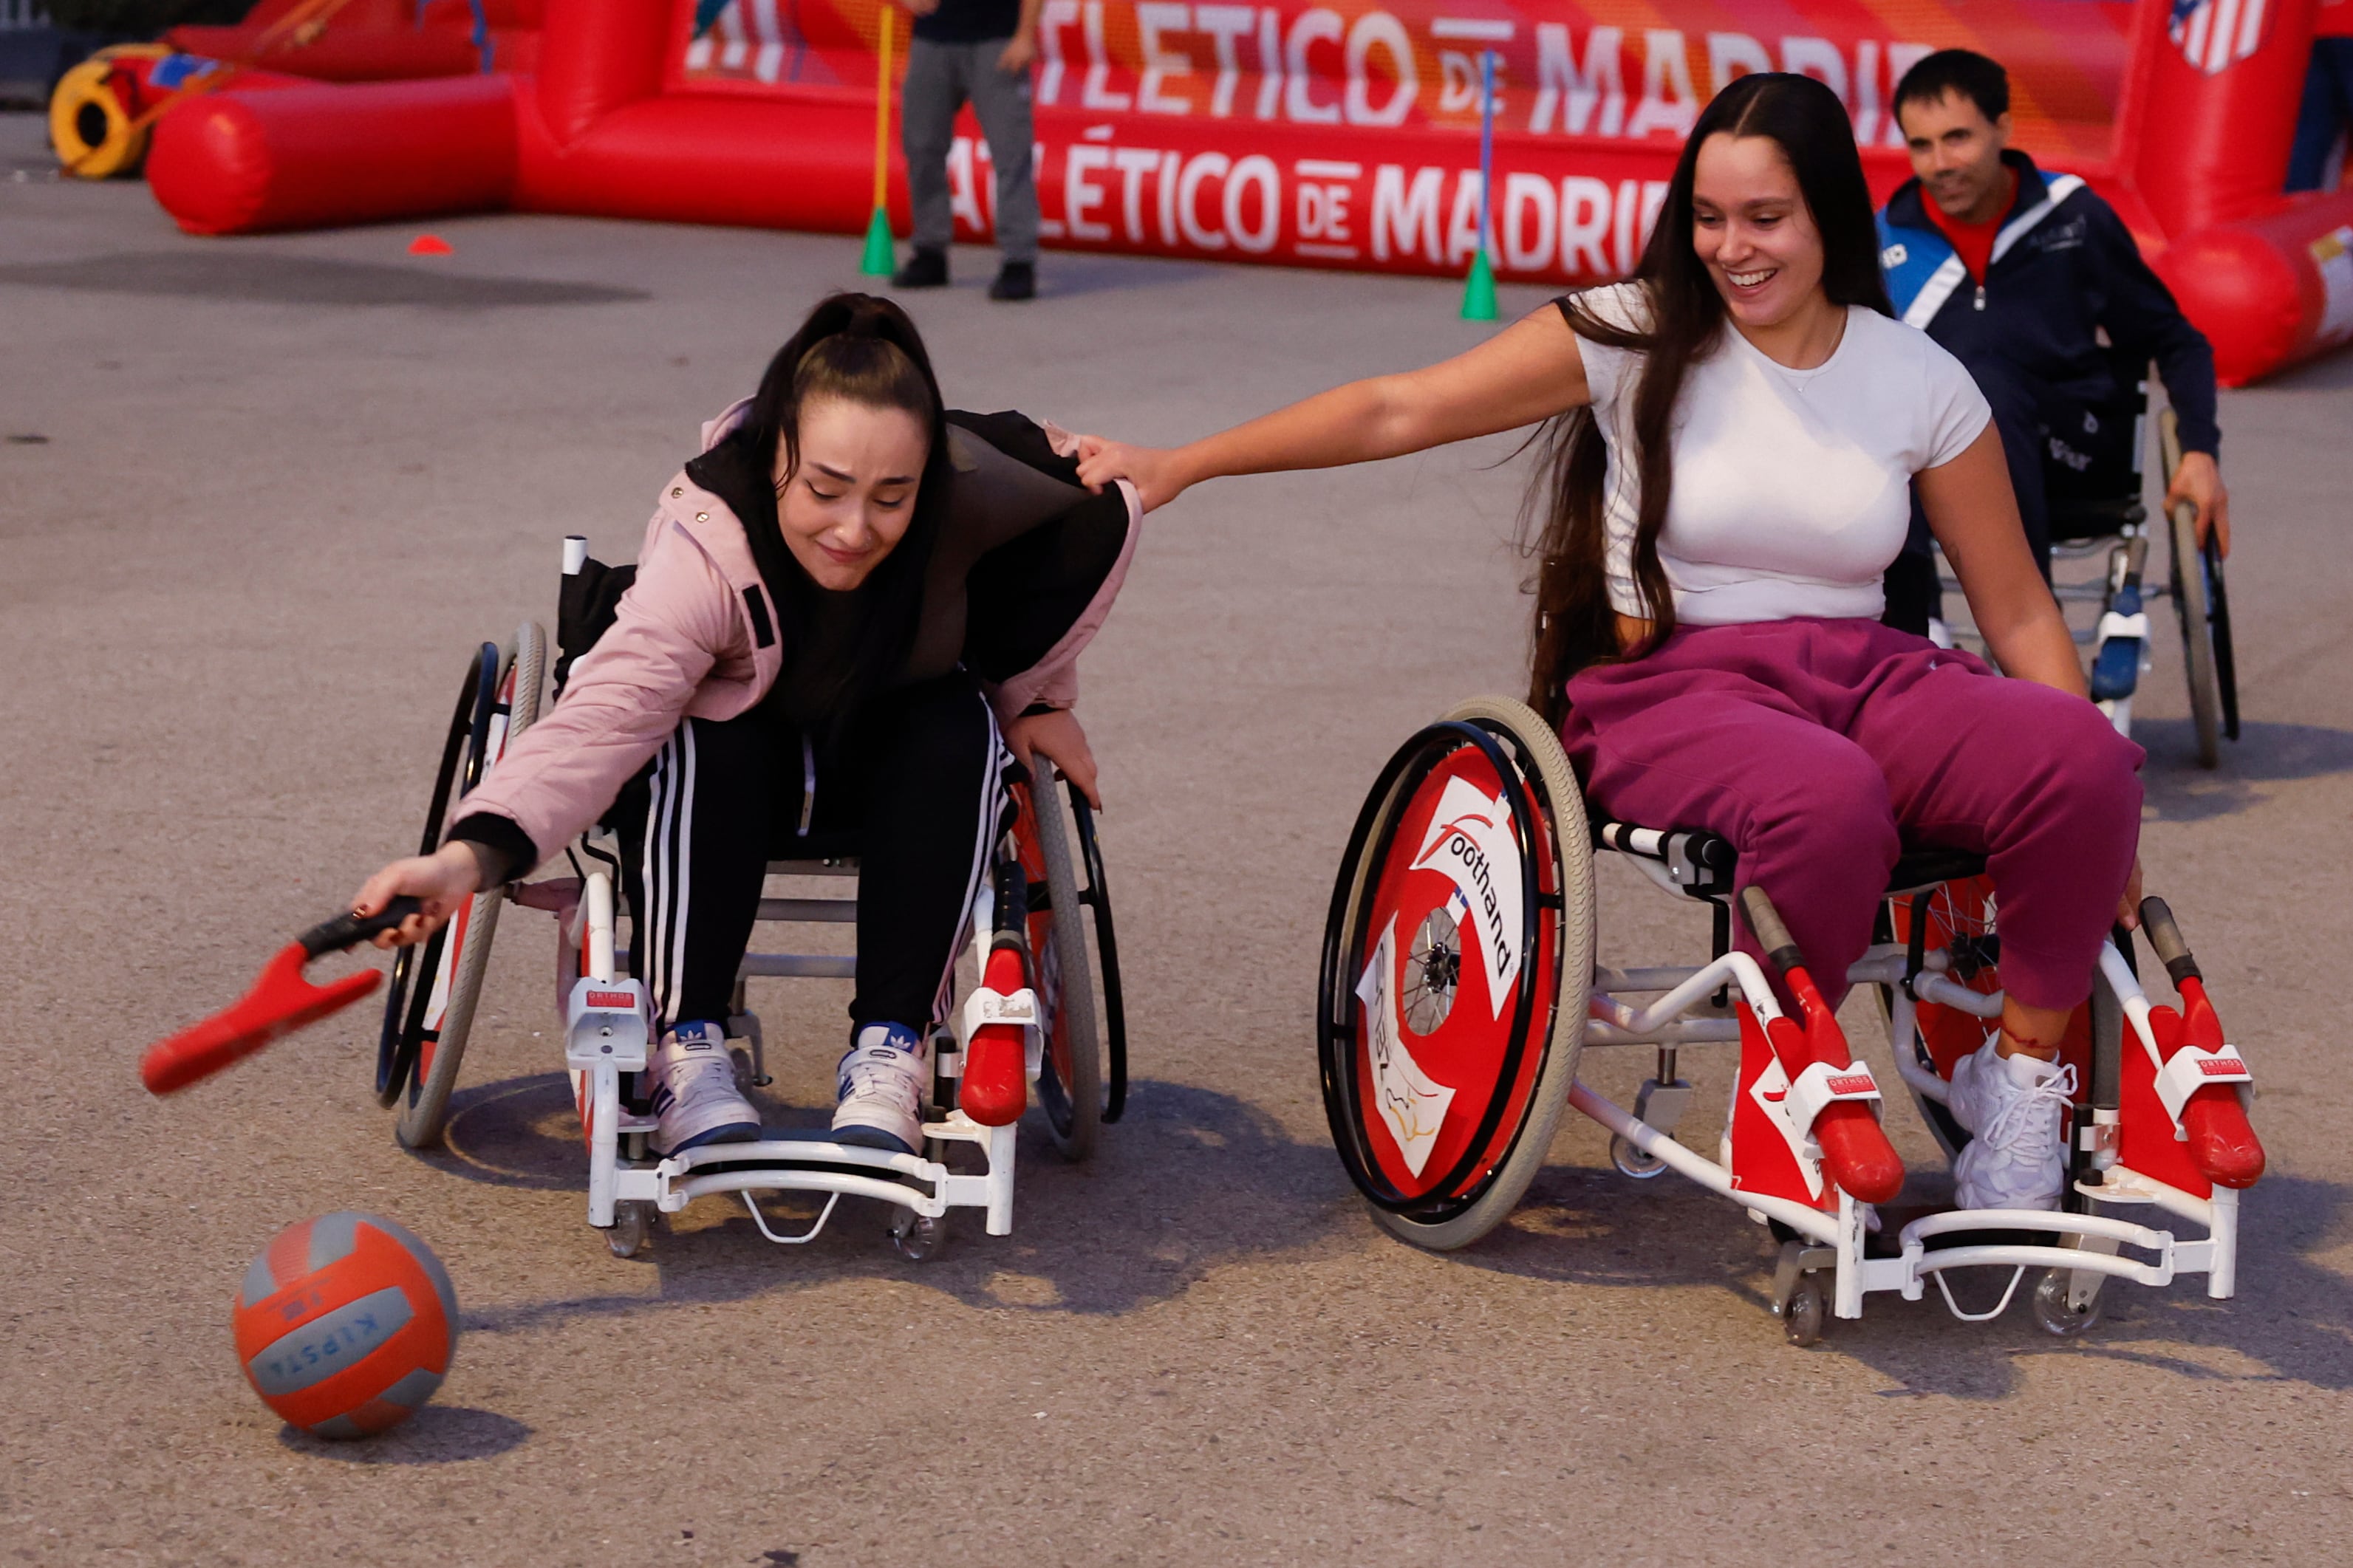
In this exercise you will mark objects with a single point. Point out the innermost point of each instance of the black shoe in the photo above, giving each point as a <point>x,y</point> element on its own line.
<point>1017,280</point>
<point>924,269</point>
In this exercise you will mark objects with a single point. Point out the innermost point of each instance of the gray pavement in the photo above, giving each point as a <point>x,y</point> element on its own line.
<point>287,482</point>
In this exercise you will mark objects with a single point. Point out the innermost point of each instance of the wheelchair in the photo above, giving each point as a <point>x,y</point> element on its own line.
<point>1040,978</point>
<point>1459,988</point>
<point>2098,515</point>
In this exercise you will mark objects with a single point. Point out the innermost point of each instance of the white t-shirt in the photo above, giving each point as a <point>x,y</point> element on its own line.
<point>1792,490</point>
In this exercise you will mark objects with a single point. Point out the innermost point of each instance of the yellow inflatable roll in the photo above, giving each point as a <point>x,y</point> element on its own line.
<point>89,126</point>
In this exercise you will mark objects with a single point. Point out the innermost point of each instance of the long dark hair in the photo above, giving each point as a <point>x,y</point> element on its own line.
<point>863,350</point>
<point>1575,624</point>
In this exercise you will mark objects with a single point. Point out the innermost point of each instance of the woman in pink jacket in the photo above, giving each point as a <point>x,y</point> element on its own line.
<point>846,610</point>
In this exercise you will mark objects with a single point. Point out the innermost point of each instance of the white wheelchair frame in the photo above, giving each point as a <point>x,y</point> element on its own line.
<point>2087,1247</point>
<point>606,1035</point>
<point>429,1008</point>
<point>1779,1175</point>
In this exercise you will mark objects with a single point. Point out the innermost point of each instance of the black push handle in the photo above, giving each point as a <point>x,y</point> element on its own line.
<point>1012,908</point>
<point>1765,921</point>
<point>2164,937</point>
<point>348,930</point>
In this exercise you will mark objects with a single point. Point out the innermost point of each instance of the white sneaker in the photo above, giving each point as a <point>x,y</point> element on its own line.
<point>2011,1108</point>
<point>696,1098</point>
<point>879,1085</point>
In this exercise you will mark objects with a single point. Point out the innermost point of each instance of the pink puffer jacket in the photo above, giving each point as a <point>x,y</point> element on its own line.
<point>684,646</point>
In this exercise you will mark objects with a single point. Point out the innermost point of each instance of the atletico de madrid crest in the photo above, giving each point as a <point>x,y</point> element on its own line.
<point>2215,34</point>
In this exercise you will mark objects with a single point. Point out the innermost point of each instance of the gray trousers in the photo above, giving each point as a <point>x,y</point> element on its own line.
<point>940,77</point>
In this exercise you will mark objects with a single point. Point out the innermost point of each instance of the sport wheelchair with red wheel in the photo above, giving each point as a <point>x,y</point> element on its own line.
<point>1460,985</point>
<point>1039,1003</point>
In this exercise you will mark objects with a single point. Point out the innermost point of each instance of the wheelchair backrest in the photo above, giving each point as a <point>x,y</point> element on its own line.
<point>586,607</point>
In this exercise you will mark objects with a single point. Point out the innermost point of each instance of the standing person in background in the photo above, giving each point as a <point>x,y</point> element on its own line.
<point>979,50</point>
<point>2034,283</point>
<point>2315,162</point>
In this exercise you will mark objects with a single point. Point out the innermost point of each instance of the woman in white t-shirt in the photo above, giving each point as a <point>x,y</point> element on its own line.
<point>1735,436</point>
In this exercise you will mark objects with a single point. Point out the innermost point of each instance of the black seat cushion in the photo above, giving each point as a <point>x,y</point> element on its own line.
<point>1925,866</point>
<point>1919,866</point>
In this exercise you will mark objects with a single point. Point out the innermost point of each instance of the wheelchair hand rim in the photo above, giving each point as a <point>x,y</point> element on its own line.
<point>1071,1053</point>
<point>400,1040</point>
<point>485,704</point>
<point>1348,937</point>
<point>391,1069</point>
<point>1097,896</point>
<point>2218,617</point>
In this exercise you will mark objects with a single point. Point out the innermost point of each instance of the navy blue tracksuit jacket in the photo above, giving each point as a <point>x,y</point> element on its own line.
<point>2064,271</point>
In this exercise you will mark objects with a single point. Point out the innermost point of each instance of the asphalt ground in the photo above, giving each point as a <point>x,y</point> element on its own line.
<point>287,482</point>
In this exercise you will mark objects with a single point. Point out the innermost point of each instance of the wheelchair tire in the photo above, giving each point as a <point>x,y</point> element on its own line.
<point>1510,1056</point>
<point>438,1018</point>
<point>2193,607</point>
<point>1070,1079</point>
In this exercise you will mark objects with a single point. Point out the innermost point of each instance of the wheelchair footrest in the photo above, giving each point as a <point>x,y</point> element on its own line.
<point>811,1161</point>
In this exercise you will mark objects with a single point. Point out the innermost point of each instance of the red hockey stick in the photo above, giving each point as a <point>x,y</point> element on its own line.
<point>280,1002</point>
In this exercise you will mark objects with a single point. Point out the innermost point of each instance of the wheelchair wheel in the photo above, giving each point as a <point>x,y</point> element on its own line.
<point>2205,636</point>
<point>426,1022</point>
<point>1457,961</point>
<point>1070,1078</point>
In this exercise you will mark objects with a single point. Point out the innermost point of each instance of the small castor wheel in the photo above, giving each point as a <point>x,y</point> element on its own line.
<point>2054,1312</point>
<point>1632,1161</point>
<point>919,1238</point>
<point>1802,1318</point>
<point>632,1223</point>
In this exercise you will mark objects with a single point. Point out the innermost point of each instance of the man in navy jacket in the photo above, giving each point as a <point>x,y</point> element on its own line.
<point>2035,284</point>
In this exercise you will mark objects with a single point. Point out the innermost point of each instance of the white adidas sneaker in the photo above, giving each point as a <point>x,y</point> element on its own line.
<point>696,1098</point>
<point>880,1087</point>
<point>2011,1107</point>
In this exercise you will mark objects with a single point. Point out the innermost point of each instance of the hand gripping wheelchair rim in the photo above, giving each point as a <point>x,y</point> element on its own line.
<point>1486,1181</point>
<point>429,1009</point>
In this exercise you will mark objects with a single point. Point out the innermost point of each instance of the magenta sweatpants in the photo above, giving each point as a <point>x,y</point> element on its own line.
<point>1821,747</point>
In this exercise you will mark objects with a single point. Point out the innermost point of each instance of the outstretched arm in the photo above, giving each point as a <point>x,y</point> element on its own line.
<point>1530,371</point>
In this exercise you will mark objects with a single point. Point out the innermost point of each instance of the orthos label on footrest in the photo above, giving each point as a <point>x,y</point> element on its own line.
<point>604,1021</point>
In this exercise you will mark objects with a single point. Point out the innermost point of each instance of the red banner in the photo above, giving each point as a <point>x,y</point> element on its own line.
<point>1346,134</point>
<point>1342,135</point>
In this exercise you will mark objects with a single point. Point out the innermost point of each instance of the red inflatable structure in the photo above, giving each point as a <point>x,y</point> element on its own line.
<point>375,40</point>
<point>1340,134</point>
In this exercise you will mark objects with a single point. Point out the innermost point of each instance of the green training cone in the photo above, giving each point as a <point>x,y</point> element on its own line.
<point>880,258</point>
<point>1479,290</point>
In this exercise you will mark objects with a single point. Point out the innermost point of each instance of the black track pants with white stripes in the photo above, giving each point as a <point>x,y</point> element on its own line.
<point>916,790</point>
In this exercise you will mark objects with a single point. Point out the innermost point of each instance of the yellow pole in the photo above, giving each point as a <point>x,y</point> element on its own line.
<point>880,258</point>
<point>882,111</point>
